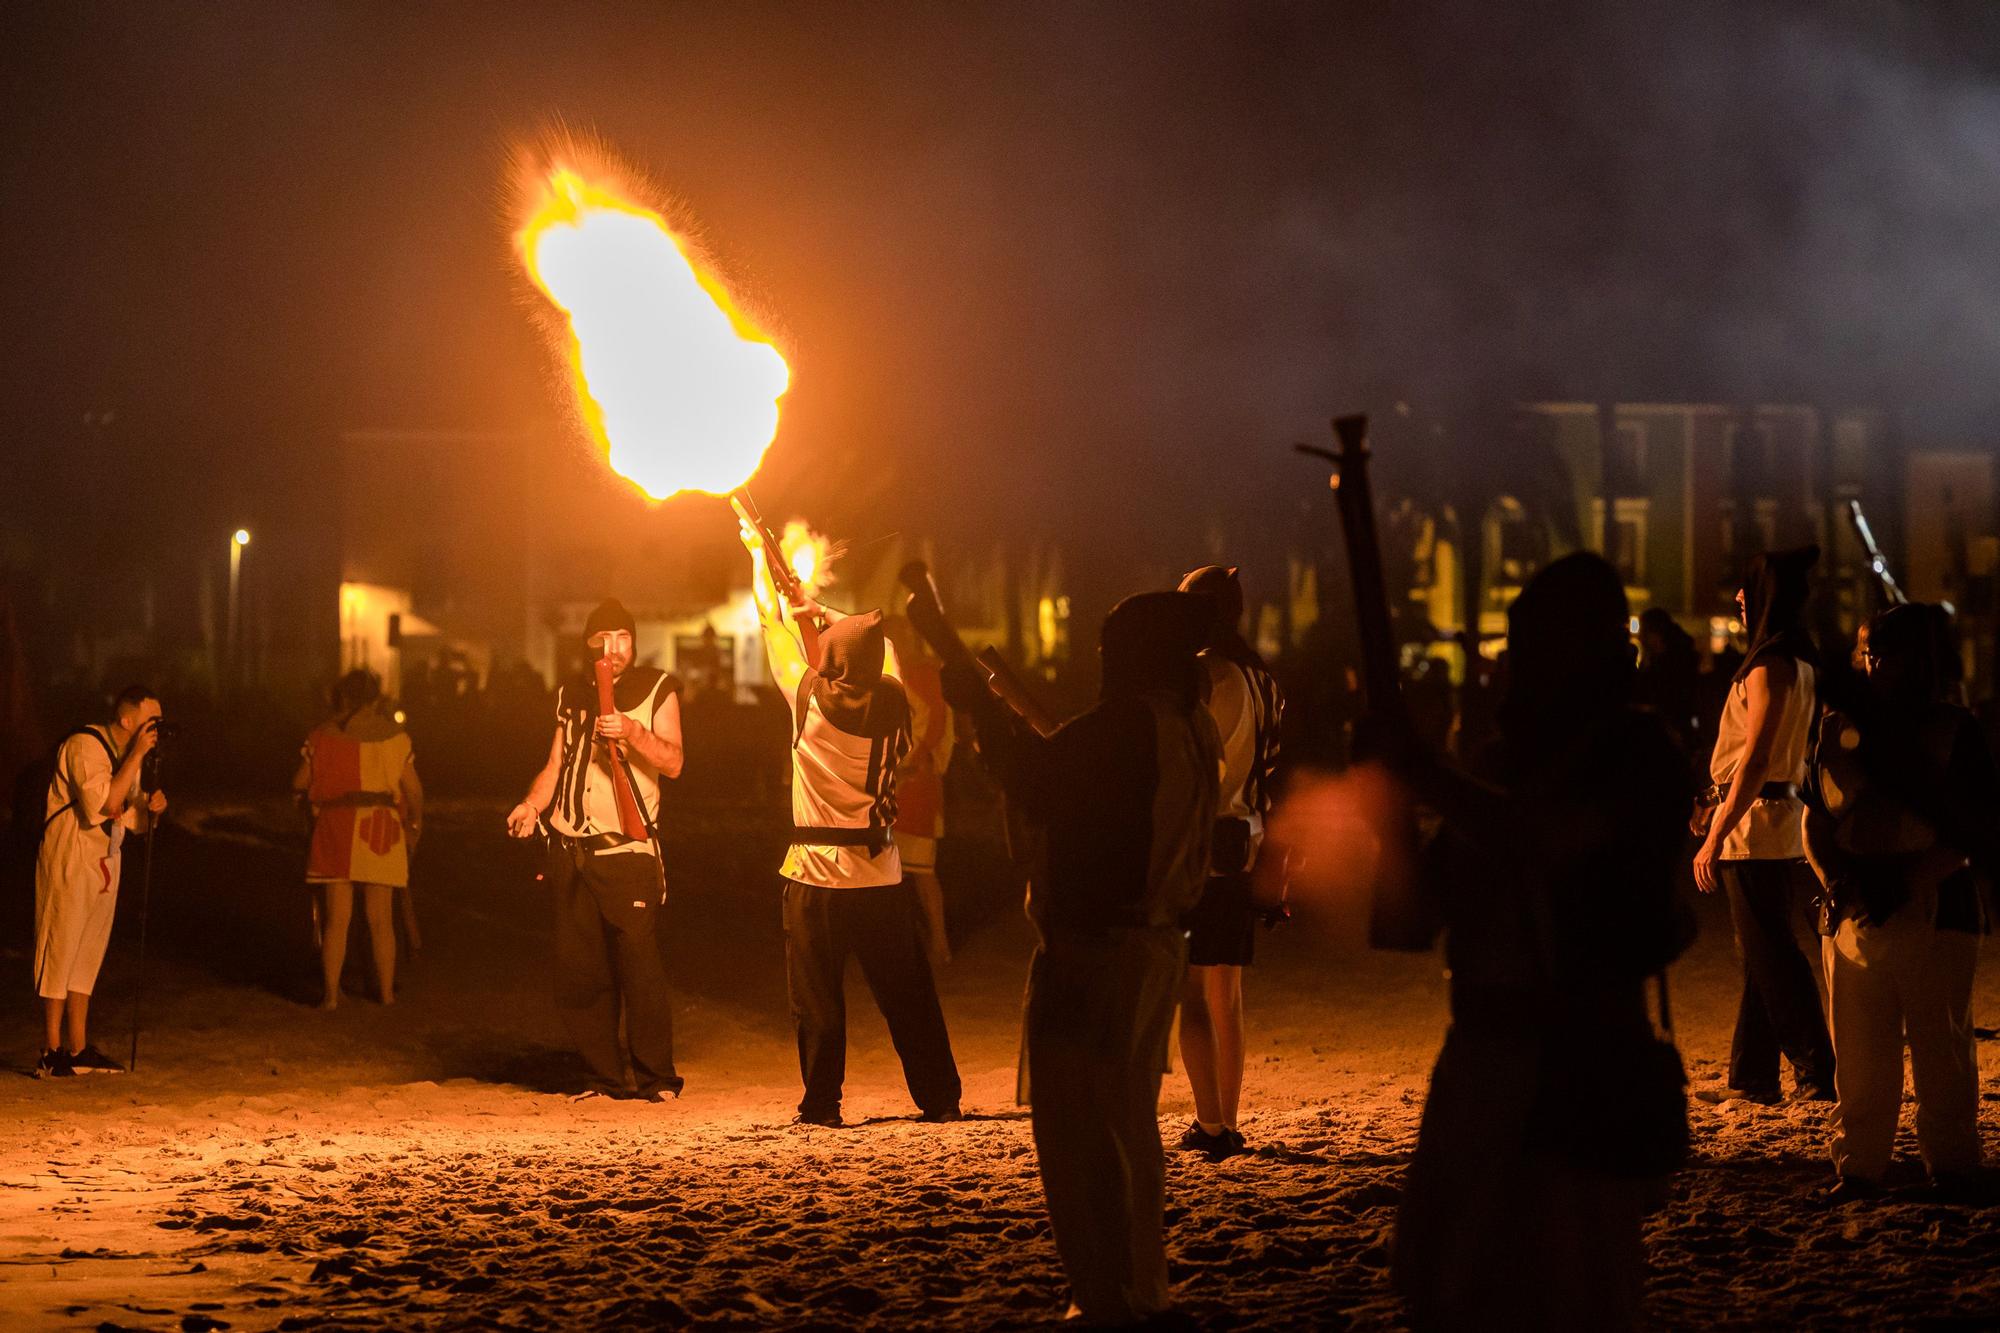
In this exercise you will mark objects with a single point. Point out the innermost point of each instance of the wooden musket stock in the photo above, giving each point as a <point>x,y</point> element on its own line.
<point>631,822</point>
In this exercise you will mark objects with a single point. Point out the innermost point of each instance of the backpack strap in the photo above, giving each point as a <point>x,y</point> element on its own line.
<point>109,753</point>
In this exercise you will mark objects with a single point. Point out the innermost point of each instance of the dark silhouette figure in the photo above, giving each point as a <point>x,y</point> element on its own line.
<point>1899,836</point>
<point>1127,796</point>
<point>1669,677</point>
<point>1554,1110</point>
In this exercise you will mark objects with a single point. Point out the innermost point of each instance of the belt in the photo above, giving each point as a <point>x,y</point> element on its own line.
<point>1770,791</point>
<point>591,842</point>
<point>874,837</point>
<point>352,799</point>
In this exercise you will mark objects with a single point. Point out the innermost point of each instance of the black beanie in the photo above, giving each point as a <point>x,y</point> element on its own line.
<point>609,615</point>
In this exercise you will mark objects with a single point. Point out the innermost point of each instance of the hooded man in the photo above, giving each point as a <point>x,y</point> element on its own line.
<point>608,888</point>
<point>1753,841</point>
<point>1552,1113</point>
<point>1244,700</point>
<point>845,892</point>
<point>1127,796</point>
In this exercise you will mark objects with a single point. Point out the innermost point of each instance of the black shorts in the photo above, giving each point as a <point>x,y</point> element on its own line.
<point>1222,928</point>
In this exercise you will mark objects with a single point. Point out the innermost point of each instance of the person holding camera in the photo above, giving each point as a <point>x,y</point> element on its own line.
<point>96,796</point>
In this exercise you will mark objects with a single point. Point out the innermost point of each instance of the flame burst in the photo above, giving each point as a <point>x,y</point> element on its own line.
<point>809,553</point>
<point>678,386</point>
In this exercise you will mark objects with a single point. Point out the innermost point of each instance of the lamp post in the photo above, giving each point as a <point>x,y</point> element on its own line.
<point>237,541</point>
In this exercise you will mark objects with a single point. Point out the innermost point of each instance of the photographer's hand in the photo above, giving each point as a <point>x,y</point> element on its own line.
<point>157,802</point>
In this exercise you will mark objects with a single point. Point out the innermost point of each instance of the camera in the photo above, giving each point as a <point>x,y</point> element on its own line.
<point>164,730</point>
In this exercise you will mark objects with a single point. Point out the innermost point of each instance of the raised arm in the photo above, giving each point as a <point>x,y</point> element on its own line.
<point>784,646</point>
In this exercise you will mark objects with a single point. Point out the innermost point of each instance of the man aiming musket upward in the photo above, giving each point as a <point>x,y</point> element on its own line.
<point>845,894</point>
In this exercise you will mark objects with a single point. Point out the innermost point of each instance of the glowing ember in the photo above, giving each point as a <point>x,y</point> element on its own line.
<point>808,553</point>
<point>679,387</point>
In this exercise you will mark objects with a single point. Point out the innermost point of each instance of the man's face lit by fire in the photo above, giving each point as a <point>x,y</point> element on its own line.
<point>616,645</point>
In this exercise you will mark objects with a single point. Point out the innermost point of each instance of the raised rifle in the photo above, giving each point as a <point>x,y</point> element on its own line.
<point>1398,918</point>
<point>1878,564</point>
<point>927,616</point>
<point>783,576</point>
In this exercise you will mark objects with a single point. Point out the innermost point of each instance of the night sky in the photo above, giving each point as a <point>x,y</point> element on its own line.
<point>1015,250</point>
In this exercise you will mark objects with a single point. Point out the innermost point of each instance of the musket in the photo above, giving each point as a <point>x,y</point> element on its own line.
<point>927,616</point>
<point>1878,564</point>
<point>631,821</point>
<point>1398,918</point>
<point>783,576</point>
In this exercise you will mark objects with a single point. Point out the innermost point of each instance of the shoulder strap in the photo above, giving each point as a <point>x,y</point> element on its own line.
<point>56,767</point>
<point>801,701</point>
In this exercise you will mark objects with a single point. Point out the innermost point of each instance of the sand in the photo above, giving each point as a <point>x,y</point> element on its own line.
<point>269,1166</point>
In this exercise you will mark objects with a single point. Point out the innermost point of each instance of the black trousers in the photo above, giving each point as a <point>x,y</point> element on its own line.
<point>880,928</point>
<point>608,961</point>
<point>1780,1008</point>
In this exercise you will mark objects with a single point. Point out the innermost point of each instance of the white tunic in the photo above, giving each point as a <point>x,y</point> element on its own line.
<point>840,780</point>
<point>1771,830</point>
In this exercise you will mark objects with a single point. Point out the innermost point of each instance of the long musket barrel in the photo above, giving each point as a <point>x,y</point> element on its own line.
<point>1878,564</point>
<point>783,575</point>
<point>927,615</point>
<point>1398,917</point>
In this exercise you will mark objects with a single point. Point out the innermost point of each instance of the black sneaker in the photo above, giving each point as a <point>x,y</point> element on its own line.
<point>54,1064</point>
<point>90,1060</point>
<point>827,1120</point>
<point>1197,1139</point>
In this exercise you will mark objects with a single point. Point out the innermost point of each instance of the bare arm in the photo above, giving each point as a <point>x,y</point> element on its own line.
<point>1767,689</point>
<point>412,791</point>
<point>521,819</point>
<point>783,647</point>
<point>661,746</point>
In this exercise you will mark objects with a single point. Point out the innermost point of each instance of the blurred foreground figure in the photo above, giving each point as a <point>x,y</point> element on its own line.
<point>920,781</point>
<point>1753,847</point>
<point>1127,796</point>
<point>608,888</point>
<point>845,891</point>
<point>1245,703</point>
<point>96,796</point>
<point>1902,830</point>
<point>359,777</point>
<point>1554,1110</point>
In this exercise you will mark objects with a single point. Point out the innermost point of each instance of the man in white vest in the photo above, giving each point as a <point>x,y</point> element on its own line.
<point>607,888</point>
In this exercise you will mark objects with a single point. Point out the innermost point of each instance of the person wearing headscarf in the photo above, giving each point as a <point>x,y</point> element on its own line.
<point>1125,795</point>
<point>1553,1112</point>
<point>846,894</point>
<point>1900,834</point>
<point>608,888</point>
<point>1753,844</point>
<point>920,783</point>
<point>1247,707</point>
<point>358,775</point>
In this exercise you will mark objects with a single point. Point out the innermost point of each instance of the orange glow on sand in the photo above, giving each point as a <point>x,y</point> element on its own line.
<point>679,388</point>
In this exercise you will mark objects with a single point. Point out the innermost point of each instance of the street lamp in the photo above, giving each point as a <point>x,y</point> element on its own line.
<point>237,541</point>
